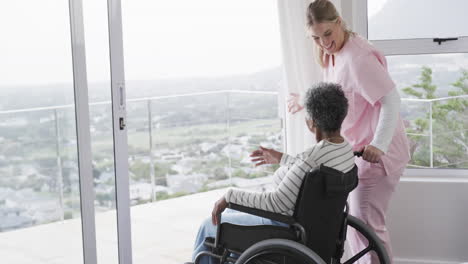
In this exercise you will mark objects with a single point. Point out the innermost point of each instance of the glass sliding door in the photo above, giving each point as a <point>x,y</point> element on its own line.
<point>119,121</point>
<point>51,181</point>
<point>40,216</point>
<point>102,24</point>
<point>96,31</point>
<point>202,80</point>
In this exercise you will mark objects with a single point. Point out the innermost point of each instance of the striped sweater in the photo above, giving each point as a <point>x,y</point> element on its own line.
<point>288,178</point>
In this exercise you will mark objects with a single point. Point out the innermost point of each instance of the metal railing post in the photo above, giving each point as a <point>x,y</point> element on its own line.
<point>150,134</point>
<point>228,120</point>
<point>59,165</point>
<point>431,161</point>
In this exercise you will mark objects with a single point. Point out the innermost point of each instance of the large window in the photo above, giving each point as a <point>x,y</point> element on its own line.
<point>427,55</point>
<point>433,107</point>
<point>202,81</point>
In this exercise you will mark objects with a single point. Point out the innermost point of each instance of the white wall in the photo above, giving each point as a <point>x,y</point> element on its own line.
<point>428,220</point>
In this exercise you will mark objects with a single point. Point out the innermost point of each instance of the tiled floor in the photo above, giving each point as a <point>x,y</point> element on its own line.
<point>162,233</point>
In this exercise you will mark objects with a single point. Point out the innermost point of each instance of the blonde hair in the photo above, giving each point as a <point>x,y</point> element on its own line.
<point>320,11</point>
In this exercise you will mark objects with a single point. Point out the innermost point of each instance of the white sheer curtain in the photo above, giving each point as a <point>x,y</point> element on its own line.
<point>300,69</point>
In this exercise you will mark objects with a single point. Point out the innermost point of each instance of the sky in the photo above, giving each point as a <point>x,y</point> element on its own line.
<point>162,39</point>
<point>35,42</point>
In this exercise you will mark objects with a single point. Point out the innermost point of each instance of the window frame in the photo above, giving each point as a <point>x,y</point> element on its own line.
<point>414,46</point>
<point>83,134</point>
<point>355,13</point>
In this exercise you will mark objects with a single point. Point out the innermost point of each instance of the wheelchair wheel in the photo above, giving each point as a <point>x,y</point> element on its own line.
<point>279,251</point>
<point>375,244</point>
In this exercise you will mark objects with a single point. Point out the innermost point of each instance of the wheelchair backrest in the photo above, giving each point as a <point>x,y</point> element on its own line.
<point>320,205</point>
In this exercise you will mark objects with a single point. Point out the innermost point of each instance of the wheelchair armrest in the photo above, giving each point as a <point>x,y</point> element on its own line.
<point>262,213</point>
<point>266,214</point>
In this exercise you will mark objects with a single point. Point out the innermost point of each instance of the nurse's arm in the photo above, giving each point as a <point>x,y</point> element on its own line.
<point>388,119</point>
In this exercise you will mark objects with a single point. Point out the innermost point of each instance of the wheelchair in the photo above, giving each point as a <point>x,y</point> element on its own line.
<point>316,233</point>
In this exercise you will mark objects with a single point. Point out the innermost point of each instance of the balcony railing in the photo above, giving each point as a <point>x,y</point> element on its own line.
<point>443,123</point>
<point>179,144</point>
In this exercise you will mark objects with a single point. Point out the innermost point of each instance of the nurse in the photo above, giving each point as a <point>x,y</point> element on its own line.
<point>373,123</point>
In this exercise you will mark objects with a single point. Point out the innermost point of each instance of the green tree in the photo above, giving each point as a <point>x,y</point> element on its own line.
<point>449,124</point>
<point>425,88</point>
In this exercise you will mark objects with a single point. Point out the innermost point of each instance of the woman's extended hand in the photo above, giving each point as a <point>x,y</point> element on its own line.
<point>266,156</point>
<point>372,154</point>
<point>293,103</point>
<point>219,207</point>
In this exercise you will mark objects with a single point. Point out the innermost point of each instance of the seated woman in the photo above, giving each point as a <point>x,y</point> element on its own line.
<point>326,107</point>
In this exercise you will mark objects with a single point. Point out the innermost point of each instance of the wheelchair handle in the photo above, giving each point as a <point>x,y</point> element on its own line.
<point>358,153</point>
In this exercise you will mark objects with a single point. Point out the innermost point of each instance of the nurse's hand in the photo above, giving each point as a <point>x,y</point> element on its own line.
<point>293,103</point>
<point>372,154</point>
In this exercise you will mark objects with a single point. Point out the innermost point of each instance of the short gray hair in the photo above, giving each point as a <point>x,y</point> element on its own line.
<point>326,105</point>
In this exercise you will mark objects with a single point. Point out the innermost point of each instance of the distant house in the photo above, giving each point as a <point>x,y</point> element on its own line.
<point>172,156</point>
<point>207,146</point>
<point>44,210</point>
<point>14,122</point>
<point>14,218</point>
<point>190,183</point>
<point>234,151</point>
<point>140,191</point>
<point>105,177</point>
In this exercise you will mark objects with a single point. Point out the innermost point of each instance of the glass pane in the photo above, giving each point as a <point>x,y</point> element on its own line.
<point>438,82</point>
<point>415,115</point>
<point>400,19</point>
<point>191,68</point>
<point>450,133</point>
<point>253,121</point>
<point>39,182</point>
<point>102,147</point>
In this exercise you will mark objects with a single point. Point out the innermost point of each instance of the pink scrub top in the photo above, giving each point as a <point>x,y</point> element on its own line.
<point>361,70</point>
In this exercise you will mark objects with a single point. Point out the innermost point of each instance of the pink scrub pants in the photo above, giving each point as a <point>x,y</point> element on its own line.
<point>369,202</point>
